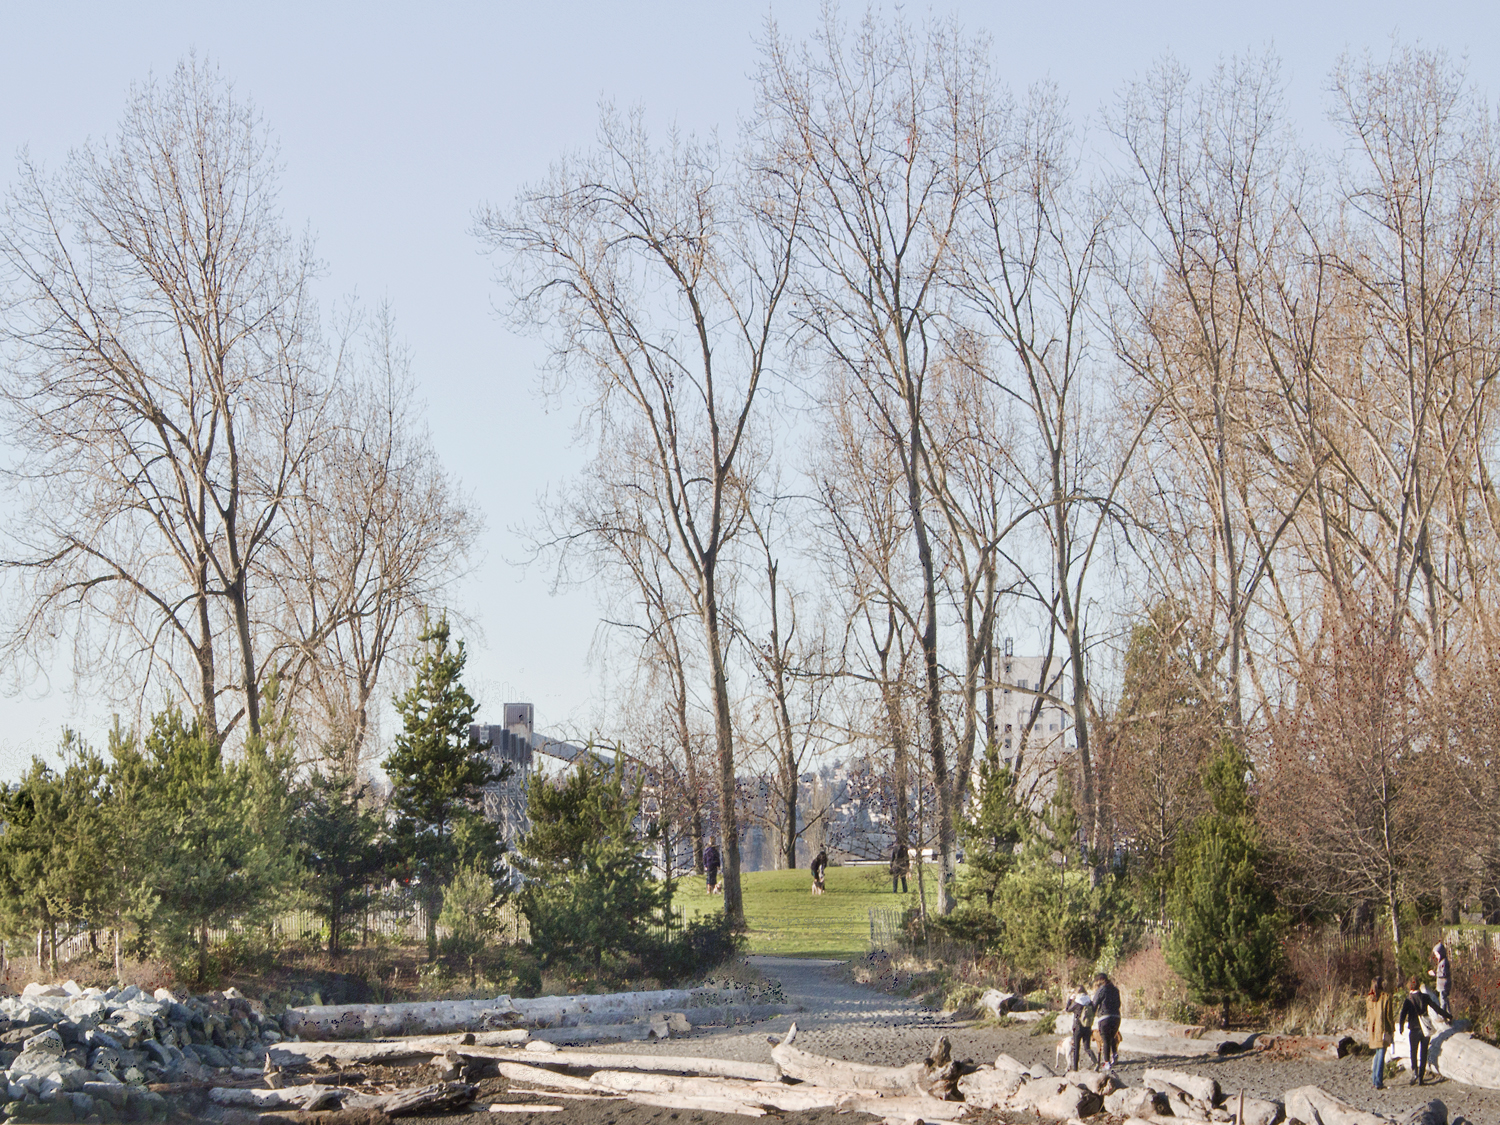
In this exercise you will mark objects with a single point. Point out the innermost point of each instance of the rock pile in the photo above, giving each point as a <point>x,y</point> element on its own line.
<point>78,1054</point>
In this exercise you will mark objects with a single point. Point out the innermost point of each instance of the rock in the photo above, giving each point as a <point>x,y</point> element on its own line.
<point>72,988</point>
<point>35,990</point>
<point>165,995</point>
<point>1206,1090</point>
<point>541,1047</point>
<point>82,1105</point>
<point>49,1042</point>
<point>1056,1100</point>
<point>129,993</point>
<point>67,1074</point>
<point>115,1093</point>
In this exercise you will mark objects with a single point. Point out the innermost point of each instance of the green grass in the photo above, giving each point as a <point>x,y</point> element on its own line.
<point>785,919</point>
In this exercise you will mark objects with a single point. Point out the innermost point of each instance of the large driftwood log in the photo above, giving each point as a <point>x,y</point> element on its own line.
<point>935,1076</point>
<point>1313,1106</point>
<point>708,1105</point>
<point>792,1099</point>
<point>1461,1057</point>
<point>268,1099</point>
<point>388,1050</point>
<point>1206,1090</point>
<point>426,1099</point>
<point>1162,1038</point>
<point>540,1076</point>
<point>352,1021</point>
<point>671,1064</point>
<point>1433,1113</point>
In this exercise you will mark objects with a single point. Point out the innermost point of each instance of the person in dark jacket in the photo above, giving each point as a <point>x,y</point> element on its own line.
<point>1417,1004</point>
<point>819,867</point>
<point>900,867</point>
<point>1082,1008</point>
<point>1107,1019</point>
<point>711,866</point>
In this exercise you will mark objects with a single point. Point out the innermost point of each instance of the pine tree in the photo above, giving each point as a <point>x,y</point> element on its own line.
<point>1227,941</point>
<point>340,848</point>
<point>590,888</point>
<point>438,777</point>
<point>990,832</point>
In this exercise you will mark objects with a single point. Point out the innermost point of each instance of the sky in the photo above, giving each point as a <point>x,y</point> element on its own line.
<point>397,121</point>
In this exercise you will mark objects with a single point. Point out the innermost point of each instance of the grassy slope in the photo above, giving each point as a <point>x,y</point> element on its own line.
<point>786,919</point>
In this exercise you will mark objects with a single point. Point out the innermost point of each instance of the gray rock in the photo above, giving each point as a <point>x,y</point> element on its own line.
<point>83,1105</point>
<point>133,1076</point>
<point>68,1074</point>
<point>128,993</point>
<point>115,1093</point>
<point>157,1049</point>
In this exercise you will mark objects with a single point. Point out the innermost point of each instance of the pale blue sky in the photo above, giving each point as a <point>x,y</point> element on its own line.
<point>397,121</point>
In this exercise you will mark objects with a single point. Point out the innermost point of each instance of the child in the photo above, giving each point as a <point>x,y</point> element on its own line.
<point>1082,1007</point>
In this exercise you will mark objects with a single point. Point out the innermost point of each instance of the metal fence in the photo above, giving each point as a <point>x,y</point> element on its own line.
<point>889,929</point>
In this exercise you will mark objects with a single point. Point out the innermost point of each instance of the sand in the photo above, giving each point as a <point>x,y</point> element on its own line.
<point>862,1024</point>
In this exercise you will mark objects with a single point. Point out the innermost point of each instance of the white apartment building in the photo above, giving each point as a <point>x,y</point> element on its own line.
<point>1031,716</point>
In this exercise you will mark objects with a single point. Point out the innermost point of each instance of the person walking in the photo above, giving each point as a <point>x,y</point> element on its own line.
<point>1380,1022</point>
<point>1082,1007</point>
<point>1443,974</point>
<point>1413,1008</point>
<point>900,866</point>
<point>711,865</point>
<point>1107,1020</point>
<point>819,868</point>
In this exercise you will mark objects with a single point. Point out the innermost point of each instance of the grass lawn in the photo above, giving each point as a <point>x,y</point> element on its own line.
<point>784,918</point>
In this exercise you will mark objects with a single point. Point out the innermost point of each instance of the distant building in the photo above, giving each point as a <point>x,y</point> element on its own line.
<point>1031,721</point>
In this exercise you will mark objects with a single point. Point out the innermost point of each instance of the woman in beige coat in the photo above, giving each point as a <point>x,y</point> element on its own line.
<point>1380,1022</point>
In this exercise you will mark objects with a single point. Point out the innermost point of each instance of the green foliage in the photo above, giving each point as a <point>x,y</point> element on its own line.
<point>470,917</point>
<point>1227,940</point>
<point>706,941</point>
<point>589,886</point>
<point>990,832</point>
<point>209,838</point>
<point>339,843</point>
<point>437,778</point>
<point>54,849</point>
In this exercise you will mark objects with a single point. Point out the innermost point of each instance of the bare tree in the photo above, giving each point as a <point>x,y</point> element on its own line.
<point>375,533</point>
<point>162,394</point>
<point>879,126</point>
<point>661,290</point>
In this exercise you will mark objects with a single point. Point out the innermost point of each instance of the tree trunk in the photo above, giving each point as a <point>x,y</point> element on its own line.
<point>734,907</point>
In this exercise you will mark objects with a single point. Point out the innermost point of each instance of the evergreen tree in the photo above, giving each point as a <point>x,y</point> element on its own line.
<point>340,848</point>
<point>590,888</point>
<point>438,777</point>
<point>470,915</point>
<point>1227,940</point>
<point>990,832</point>
<point>211,836</point>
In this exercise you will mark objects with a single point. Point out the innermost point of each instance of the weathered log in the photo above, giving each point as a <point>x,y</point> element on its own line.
<point>1459,1056</point>
<point>1254,1111</point>
<point>990,1088</point>
<point>1055,1099</point>
<point>1206,1090</point>
<point>936,1076</point>
<point>540,1076</point>
<point>352,1021</point>
<point>792,1099</point>
<point>424,1099</point>
<point>671,1064</point>
<point>904,1107</point>
<point>1154,1038</point>
<point>1136,1101</point>
<point>1318,1048</point>
<point>708,1105</point>
<point>1433,1113</point>
<point>1313,1106</point>
<point>388,1050</point>
<point>595,1033</point>
<point>269,1099</point>
<point>523,1107</point>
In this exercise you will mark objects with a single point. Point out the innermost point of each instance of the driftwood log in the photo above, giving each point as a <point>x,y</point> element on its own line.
<point>774,1095</point>
<point>1459,1056</point>
<point>672,1064</point>
<point>1206,1090</point>
<point>1314,1106</point>
<point>388,1050</point>
<point>707,1105</point>
<point>935,1076</point>
<point>428,1099</point>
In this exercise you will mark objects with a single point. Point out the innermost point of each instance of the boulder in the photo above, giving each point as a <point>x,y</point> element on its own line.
<point>1055,1100</point>
<point>1257,1111</point>
<point>48,1042</point>
<point>990,1088</point>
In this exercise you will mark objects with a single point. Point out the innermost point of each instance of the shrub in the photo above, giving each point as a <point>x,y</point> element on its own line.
<point>704,943</point>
